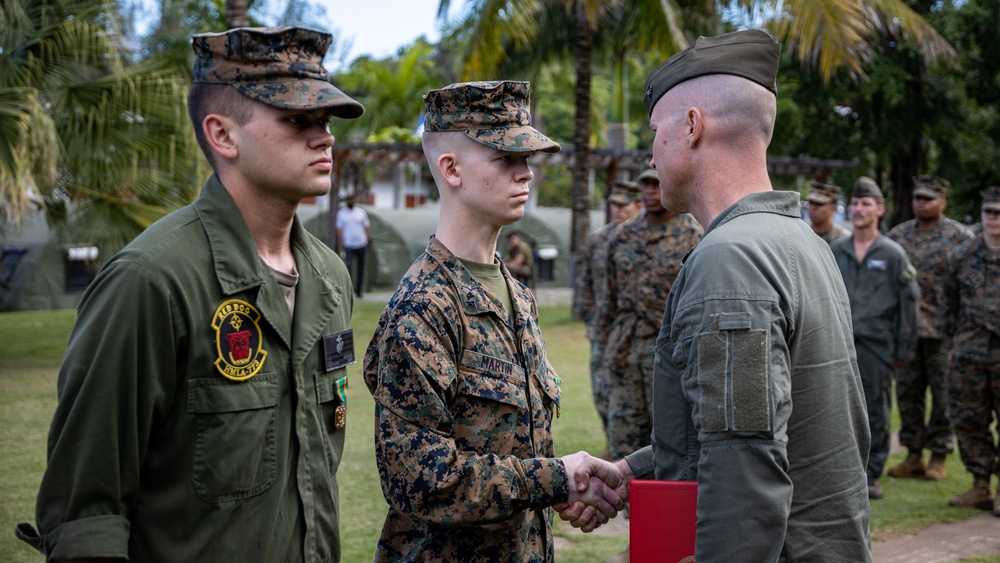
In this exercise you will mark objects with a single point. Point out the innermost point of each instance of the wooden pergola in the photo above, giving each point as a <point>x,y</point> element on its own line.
<point>611,162</point>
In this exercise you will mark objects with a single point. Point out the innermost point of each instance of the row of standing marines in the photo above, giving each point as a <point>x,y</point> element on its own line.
<point>203,394</point>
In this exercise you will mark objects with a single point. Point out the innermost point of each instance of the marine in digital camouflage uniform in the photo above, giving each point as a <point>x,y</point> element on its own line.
<point>464,394</point>
<point>519,259</point>
<point>972,294</point>
<point>927,240</point>
<point>884,294</point>
<point>644,258</point>
<point>822,205</point>
<point>203,396</point>
<point>591,286</point>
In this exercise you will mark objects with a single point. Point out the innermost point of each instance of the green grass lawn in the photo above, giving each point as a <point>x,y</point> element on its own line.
<point>32,345</point>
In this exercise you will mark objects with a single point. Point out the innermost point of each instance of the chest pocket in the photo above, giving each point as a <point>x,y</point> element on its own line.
<point>490,404</point>
<point>235,455</point>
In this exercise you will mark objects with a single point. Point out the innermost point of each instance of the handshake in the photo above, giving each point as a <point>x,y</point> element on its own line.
<point>598,489</point>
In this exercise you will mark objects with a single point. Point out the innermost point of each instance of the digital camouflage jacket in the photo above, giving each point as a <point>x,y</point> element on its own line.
<point>928,251</point>
<point>464,398</point>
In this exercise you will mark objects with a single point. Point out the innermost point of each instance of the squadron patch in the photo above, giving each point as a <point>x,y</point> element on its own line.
<point>238,340</point>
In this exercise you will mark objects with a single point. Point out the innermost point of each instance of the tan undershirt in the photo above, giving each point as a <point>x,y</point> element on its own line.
<point>287,283</point>
<point>490,276</point>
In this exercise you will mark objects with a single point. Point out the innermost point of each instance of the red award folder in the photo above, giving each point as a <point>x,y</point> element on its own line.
<point>662,521</point>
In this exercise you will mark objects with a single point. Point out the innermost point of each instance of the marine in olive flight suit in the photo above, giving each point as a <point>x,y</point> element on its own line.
<point>757,394</point>
<point>203,395</point>
<point>884,295</point>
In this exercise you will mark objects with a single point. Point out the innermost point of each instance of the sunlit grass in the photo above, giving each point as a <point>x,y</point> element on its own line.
<point>33,345</point>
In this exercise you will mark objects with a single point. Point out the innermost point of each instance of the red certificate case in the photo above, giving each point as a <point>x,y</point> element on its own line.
<point>662,521</point>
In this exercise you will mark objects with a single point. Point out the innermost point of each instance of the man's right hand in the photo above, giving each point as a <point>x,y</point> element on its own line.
<point>597,491</point>
<point>595,472</point>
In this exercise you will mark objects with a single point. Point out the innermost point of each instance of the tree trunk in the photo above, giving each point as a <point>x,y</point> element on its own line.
<point>904,165</point>
<point>580,195</point>
<point>237,14</point>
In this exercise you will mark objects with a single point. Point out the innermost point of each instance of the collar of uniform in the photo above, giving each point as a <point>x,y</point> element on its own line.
<point>471,292</point>
<point>778,202</point>
<point>237,264</point>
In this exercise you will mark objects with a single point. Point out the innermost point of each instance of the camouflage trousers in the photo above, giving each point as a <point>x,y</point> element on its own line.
<point>975,405</point>
<point>630,396</point>
<point>598,382</point>
<point>927,370</point>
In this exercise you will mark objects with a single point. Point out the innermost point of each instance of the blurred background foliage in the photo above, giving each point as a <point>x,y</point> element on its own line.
<point>94,130</point>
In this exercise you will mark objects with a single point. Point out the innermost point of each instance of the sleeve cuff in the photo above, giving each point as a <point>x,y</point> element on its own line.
<point>641,463</point>
<point>96,536</point>
<point>548,481</point>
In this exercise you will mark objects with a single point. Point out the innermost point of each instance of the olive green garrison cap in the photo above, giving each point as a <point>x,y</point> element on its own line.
<point>752,54</point>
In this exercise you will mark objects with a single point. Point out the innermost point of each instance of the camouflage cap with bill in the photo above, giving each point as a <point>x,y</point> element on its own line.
<point>823,194</point>
<point>278,66</point>
<point>494,113</point>
<point>991,198</point>
<point>624,192</point>
<point>648,174</point>
<point>929,186</point>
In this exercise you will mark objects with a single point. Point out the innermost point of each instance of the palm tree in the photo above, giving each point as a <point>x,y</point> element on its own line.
<point>832,35</point>
<point>391,88</point>
<point>534,29</point>
<point>826,35</point>
<point>630,32</point>
<point>85,134</point>
<point>846,36</point>
<point>237,14</point>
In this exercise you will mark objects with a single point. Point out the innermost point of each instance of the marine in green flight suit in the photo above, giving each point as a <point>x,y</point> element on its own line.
<point>884,296</point>
<point>203,395</point>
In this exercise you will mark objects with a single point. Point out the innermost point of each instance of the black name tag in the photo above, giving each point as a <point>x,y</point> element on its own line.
<point>338,350</point>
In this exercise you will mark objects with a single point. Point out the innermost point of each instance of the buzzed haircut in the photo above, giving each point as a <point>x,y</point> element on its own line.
<point>436,143</point>
<point>221,99</point>
<point>740,106</point>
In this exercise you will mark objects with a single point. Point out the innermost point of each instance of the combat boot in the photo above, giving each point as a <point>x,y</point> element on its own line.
<point>977,497</point>
<point>874,489</point>
<point>910,468</point>
<point>937,469</point>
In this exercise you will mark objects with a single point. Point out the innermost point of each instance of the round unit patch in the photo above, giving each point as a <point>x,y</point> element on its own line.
<point>237,340</point>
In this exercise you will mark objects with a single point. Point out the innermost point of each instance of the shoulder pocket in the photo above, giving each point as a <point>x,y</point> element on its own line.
<point>235,455</point>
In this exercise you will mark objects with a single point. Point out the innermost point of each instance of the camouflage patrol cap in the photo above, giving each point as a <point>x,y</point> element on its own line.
<point>991,198</point>
<point>624,193</point>
<point>278,66</point>
<point>929,186</point>
<point>493,113</point>
<point>752,54</point>
<point>648,174</point>
<point>866,187</point>
<point>823,194</point>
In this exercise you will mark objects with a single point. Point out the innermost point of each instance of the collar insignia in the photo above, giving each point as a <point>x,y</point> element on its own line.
<point>238,340</point>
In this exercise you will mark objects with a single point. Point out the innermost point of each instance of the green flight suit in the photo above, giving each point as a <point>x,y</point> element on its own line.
<point>196,420</point>
<point>885,299</point>
<point>757,394</point>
